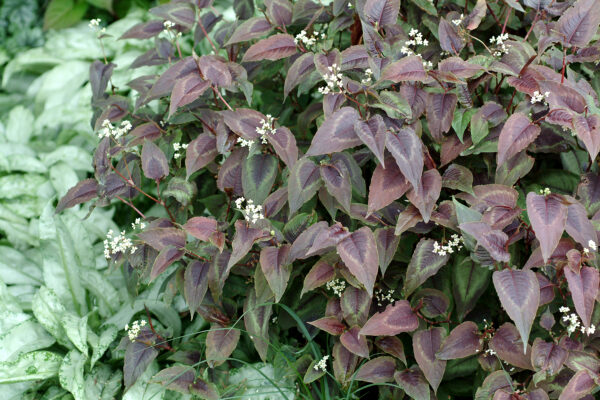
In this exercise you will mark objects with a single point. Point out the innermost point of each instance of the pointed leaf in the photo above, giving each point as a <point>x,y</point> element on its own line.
<point>195,284</point>
<point>244,239</point>
<point>303,183</point>
<point>510,348</point>
<point>463,341</point>
<point>579,23</point>
<point>355,342</point>
<point>138,357</point>
<point>220,343</point>
<point>387,244</point>
<point>583,286</point>
<point>302,67</point>
<point>256,320</point>
<point>578,225</point>
<point>154,161</point>
<point>200,152</point>
<point>581,384</point>
<point>382,12</point>
<point>344,363</point>
<point>407,149</point>
<point>548,216</point>
<point>440,112</point>
<point>372,133</point>
<point>458,177</point>
<point>469,282</point>
<point>406,69</point>
<point>547,356</point>
<point>517,133</point>
<point>259,172</point>
<point>187,90</point>
<point>83,191</point>
<point>377,370</point>
<point>387,184</point>
<point>426,343</point>
<point>321,273</point>
<point>423,264</point>
<point>336,133</point>
<point>167,256</point>
<point>284,144</point>
<point>391,345</point>
<point>413,383</point>
<point>395,319</point>
<point>588,130</point>
<point>493,240</point>
<point>331,325</point>
<point>355,304</point>
<point>252,28</point>
<point>272,48</point>
<point>359,253</point>
<point>424,200</point>
<point>273,261</point>
<point>337,182</point>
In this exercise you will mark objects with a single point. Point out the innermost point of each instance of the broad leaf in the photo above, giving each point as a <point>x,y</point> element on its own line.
<point>336,178</point>
<point>84,191</point>
<point>579,23</point>
<point>336,133</point>
<point>372,133</point>
<point>377,370</point>
<point>583,286</point>
<point>273,262</point>
<point>359,253</point>
<point>303,183</point>
<point>200,152</point>
<point>220,343</point>
<point>387,244</point>
<point>244,239</point>
<point>259,172</point>
<point>355,304</point>
<point>548,216</point>
<point>138,356</point>
<point>517,133</point>
<point>252,28</point>
<point>463,341</point>
<point>413,383</point>
<point>382,12</point>
<point>354,342</point>
<point>256,320</point>
<point>510,348</point>
<point>154,161</point>
<point>440,110</point>
<point>423,264</point>
<point>469,282</point>
<point>407,149</point>
<point>272,48</point>
<point>387,185</point>
<point>424,200</point>
<point>581,384</point>
<point>493,240</point>
<point>426,343</point>
<point>331,325</point>
<point>407,69</point>
<point>195,284</point>
<point>395,319</point>
<point>547,356</point>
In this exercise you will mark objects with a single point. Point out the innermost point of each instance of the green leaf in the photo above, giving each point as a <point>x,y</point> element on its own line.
<point>64,13</point>
<point>48,310</point>
<point>104,4</point>
<point>70,374</point>
<point>258,175</point>
<point>23,338</point>
<point>469,282</point>
<point>479,128</point>
<point>32,366</point>
<point>426,6</point>
<point>100,343</point>
<point>394,105</point>
<point>103,383</point>
<point>461,120</point>
<point>76,329</point>
<point>20,125</point>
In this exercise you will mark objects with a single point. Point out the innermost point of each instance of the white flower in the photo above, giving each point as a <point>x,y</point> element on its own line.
<point>94,24</point>
<point>545,192</point>
<point>502,48</point>
<point>138,222</point>
<point>592,245</point>
<point>117,244</point>
<point>367,79</point>
<point>178,146</point>
<point>266,128</point>
<point>322,364</point>
<point>539,97</point>
<point>384,297</point>
<point>134,330</point>
<point>490,352</point>
<point>333,80</point>
<point>337,286</point>
<point>308,41</point>
<point>448,248</point>
<point>245,143</point>
<point>252,213</point>
<point>168,24</point>
<point>564,309</point>
<point>457,22</point>
<point>109,130</point>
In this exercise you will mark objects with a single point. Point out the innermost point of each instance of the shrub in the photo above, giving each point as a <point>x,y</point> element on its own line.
<point>466,267</point>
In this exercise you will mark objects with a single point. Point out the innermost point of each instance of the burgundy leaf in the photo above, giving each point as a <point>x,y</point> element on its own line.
<point>303,183</point>
<point>200,152</point>
<point>272,48</point>
<point>463,341</point>
<point>396,318</point>
<point>440,110</point>
<point>321,273</point>
<point>167,256</point>
<point>359,253</point>
<point>372,133</point>
<point>195,284</point>
<point>377,370</point>
<point>423,264</point>
<point>579,23</point>
<point>154,162</point>
<point>80,193</point>
<point>280,11</point>
<point>144,30</point>
<point>581,384</point>
<point>413,383</point>
<point>220,343</point>
<point>547,356</point>
<point>355,342</point>
<point>510,347</point>
<point>583,286</point>
<point>578,225</point>
<point>230,172</point>
<point>548,216</point>
<point>327,238</point>
<point>494,241</point>
<point>244,238</point>
<point>495,195</point>
<point>344,363</point>
<point>449,39</point>
<point>186,90</point>
<point>305,240</point>
<point>431,185</point>
<point>275,202</point>
<point>474,18</point>
<point>337,182</point>
<point>177,378</point>
<point>387,244</point>
<point>588,130</point>
<point>382,12</point>
<point>284,144</point>
<point>546,289</point>
<point>519,293</point>
<point>426,344</point>
<point>159,238</point>
<point>416,98</point>
<point>354,57</point>
<point>138,356</point>
<point>301,68</point>
<point>391,345</point>
<point>406,69</point>
<point>434,302</point>
<point>560,253</point>
<point>244,122</point>
<point>181,13</point>
<point>458,177</point>
<point>252,28</point>
<point>458,67</point>
<point>331,325</point>
<point>215,70</point>
<point>202,228</point>
<point>149,130</point>
<point>273,261</point>
<point>563,96</point>
<point>407,149</point>
<point>336,133</point>
<point>387,185</point>
<point>407,219</point>
<point>517,133</point>
<point>355,304</point>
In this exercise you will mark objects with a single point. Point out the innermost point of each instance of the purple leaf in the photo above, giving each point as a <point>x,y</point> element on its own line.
<point>355,304</point>
<point>321,273</point>
<point>178,378</point>
<point>205,390</point>
<point>519,293</point>
<point>423,264</point>
<point>80,193</point>
<point>495,195</point>
<point>154,162</point>
<point>148,130</point>
<point>391,345</point>
<point>407,149</point>
<point>372,133</point>
<point>579,23</point>
<point>200,152</point>
<point>359,253</point>
<point>331,325</point>
<point>377,370</point>
<point>547,356</point>
<point>354,57</point>
<point>144,30</point>
<point>588,130</point>
<point>179,70</point>
<point>230,172</point>
<point>274,266</point>
<point>407,69</point>
<point>510,348</point>
<point>244,122</point>
<point>583,286</point>
<point>440,111</point>
<point>186,90</point>
<point>336,133</point>
<point>413,383</point>
<point>416,98</point>
<point>424,200</point>
<point>284,144</point>
<point>256,320</point>
<point>434,302</point>
<point>220,343</point>
<point>381,12</point>
<point>387,244</point>
<point>459,68</point>
<point>259,172</point>
<point>563,96</point>
<point>252,28</point>
<point>407,219</point>
<point>578,225</point>
<point>272,48</point>
<point>449,39</point>
<point>517,133</point>
<point>581,384</point>
<point>303,183</point>
<point>355,342</point>
<point>215,70</point>
<point>244,239</point>
<point>463,341</point>
<point>396,318</point>
<point>195,284</point>
<point>458,177</point>
<point>336,178</point>
<point>305,240</point>
<point>494,241</point>
<point>181,13</point>
<point>159,238</point>
<point>426,343</point>
<point>138,355</point>
<point>275,202</point>
<point>477,14</point>
<point>299,71</point>
<point>387,185</point>
<point>280,11</point>
<point>548,216</point>
<point>167,256</point>
<point>203,228</point>
<point>344,363</point>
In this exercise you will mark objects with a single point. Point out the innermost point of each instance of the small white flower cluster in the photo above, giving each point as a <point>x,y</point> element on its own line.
<point>333,80</point>
<point>368,75</point>
<point>539,97</point>
<point>442,250</point>
<point>459,21</point>
<point>95,25</point>
<point>178,146</point>
<point>251,212</point>
<point>138,223</point>
<point>245,143</point>
<point>308,41</point>
<point>417,39</point>
<point>592,245</point>
<point>574,322</point>
<point>545,192</point>
<point>134,330</point>
<point>168,24</point>
<point>117,244</point>
<point>382,296</point>
<point>502,48</point>
<point>109,129</point>
<point>266,128</point>
<point>322,364</point>
<point>337,286</point>
<point>490,352</point>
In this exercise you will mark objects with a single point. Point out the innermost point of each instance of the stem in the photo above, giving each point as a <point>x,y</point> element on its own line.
<point>221,97</point>
<point>162,202</point>
<point>506,20</point>
<point>493,14</point>
<point>564,66</point>
<point>132,206</point>
<point>537,15</point>
<point>206,34</point>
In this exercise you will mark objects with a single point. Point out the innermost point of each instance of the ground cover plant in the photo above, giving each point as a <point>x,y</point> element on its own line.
<point>359,204</point>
